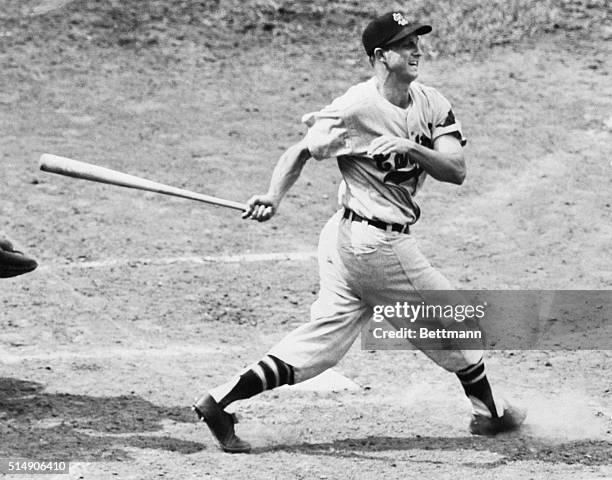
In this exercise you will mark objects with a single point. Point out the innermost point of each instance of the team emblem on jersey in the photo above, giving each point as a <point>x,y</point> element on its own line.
<point>400,166</point>
<point>400,19</point>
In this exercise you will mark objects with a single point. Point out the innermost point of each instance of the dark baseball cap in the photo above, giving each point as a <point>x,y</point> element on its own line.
<point>389,28</point>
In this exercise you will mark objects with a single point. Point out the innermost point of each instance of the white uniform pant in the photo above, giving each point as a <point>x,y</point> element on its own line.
<point>361,266</point>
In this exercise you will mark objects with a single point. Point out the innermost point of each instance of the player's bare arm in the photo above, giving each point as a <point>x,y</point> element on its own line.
<point>445,162</point>
<point>285,174</point>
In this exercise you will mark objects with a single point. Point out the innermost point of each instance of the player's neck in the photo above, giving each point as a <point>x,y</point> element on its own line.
<point>394,91</point>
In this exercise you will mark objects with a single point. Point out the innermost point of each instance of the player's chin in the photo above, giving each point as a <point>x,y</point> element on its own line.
<point>412,74</point>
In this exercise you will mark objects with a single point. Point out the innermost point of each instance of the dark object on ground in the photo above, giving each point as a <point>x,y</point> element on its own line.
<point>12,262</point>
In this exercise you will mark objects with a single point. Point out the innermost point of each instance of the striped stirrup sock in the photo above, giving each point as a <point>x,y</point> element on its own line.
<point>270,372</point>
<point>477,388</point>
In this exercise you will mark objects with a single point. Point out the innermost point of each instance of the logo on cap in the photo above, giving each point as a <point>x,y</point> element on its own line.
<point>399,18</point>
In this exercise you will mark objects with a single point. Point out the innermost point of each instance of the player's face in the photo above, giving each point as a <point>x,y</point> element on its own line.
<point>403,57</point>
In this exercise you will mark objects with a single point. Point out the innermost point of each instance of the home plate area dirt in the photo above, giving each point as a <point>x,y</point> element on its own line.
<point>142,302</point>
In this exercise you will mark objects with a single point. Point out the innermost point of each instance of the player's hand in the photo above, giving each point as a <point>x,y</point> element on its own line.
<point>261,208</point>
<point>389,144</point>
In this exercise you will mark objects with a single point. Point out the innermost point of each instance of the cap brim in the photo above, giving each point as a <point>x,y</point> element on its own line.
<point>417,29</point>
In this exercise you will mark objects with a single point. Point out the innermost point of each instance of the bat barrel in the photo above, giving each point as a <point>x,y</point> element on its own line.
<point>95,173</point>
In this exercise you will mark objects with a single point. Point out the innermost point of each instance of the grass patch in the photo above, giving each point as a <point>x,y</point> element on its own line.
<point>459,25</point>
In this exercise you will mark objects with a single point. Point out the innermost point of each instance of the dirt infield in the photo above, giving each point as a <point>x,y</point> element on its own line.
<point>143,301</point>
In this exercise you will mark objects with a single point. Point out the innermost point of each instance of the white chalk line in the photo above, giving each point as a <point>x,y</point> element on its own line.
<point>243,258</point>
<point>46,6</point>
<point>122,352</point>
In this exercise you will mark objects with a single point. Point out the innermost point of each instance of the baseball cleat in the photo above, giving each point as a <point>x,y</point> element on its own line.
<point>221,424</point>
<point>12,262</point>
<point>510,421</point>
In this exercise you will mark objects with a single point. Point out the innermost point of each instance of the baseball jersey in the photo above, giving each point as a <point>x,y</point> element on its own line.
<point>383,187</point>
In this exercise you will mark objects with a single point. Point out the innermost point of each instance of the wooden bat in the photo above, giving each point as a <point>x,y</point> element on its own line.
<point>95,173</point>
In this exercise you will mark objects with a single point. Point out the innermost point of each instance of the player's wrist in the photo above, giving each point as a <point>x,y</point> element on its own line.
<point>274,198</point>
<point>411,146</point>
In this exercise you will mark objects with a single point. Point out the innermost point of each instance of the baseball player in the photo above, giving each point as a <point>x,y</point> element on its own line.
<point>388,135</point>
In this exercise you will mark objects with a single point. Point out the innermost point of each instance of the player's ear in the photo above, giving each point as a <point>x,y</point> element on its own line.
<point>379,54</point>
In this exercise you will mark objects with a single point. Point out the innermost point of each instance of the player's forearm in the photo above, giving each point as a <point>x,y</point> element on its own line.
<point>288,170</point>
<point>443,166</point>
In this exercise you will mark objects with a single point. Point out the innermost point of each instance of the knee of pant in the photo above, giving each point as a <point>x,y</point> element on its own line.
<point>338,312</point>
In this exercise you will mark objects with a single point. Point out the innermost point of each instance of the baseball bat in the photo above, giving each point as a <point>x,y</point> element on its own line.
<point>95,173</point>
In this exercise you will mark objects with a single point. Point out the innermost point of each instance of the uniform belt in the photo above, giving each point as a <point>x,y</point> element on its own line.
<point>395,227</point>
